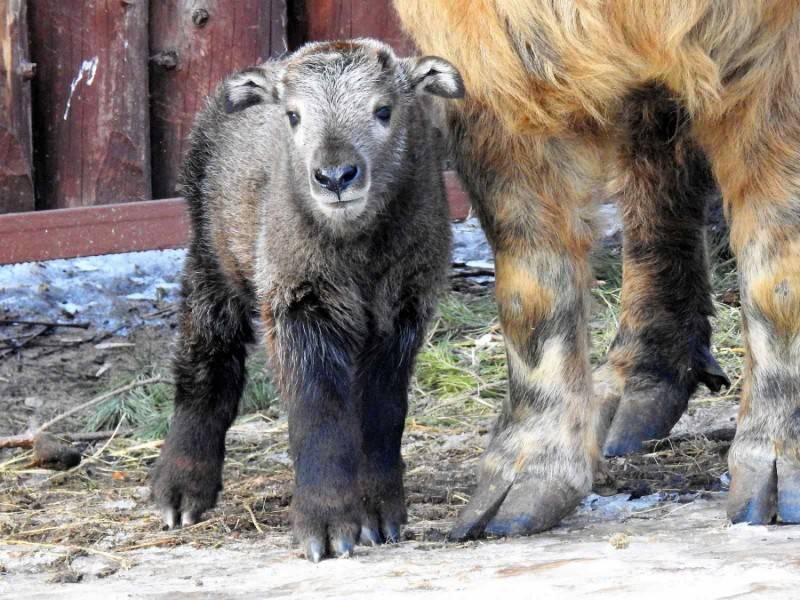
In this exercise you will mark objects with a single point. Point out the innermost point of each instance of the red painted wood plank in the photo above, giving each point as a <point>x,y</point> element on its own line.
<point>125,227</point>
<point>91,140</point>
<point>89,231</point>
<point>16,154</point>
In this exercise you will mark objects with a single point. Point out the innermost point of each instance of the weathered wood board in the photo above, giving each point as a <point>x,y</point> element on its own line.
<point>16,154</point>
<point>90,97</point>
<point>194,44</point>
<point>337,19</point>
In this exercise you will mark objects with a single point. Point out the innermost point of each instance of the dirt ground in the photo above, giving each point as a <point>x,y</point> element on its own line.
<point>654,525</point>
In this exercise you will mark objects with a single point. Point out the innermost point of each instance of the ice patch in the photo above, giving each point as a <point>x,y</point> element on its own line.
<point>616,506</point>
<point>107,291</point>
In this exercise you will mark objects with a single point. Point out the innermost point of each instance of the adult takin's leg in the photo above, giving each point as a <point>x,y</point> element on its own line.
<point>764,459</point>
<point>662,349</point>
<point>209,378</point>
<point>385,368</point>
<point>755,150</point>
<point>540,460</point>
<point>313,345</point>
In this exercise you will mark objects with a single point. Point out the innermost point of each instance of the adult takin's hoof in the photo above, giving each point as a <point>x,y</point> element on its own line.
<point>648,409</point>
<point>524,491</point>
<point>765,483</point>
<point>522,507</point>
<point>644,414</point>
<point>184,487</point>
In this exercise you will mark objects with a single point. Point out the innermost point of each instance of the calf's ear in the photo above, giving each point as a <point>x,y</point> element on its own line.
<point>436,76</point>
<point>252,86</point>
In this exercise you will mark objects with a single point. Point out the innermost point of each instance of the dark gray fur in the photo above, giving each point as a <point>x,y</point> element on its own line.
<point>344,292</point>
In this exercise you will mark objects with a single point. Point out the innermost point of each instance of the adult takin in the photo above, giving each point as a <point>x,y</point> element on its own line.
<point>657,98</point>
<point>316,200</point>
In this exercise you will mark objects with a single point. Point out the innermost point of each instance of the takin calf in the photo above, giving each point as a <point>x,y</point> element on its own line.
<point>317,200</point>
<point>658,98</point>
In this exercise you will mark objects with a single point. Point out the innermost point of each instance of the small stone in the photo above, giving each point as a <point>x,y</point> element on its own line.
<point>34,402</point>
<point>620,541</point>
<point>66,576</point>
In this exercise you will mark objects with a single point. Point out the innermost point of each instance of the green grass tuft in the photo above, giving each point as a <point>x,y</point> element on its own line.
<point>146,409</point>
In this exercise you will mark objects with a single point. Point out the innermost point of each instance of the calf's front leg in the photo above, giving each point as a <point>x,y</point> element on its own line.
<point>385,368</point>
<point>312,350</point>
<point>209,378</point>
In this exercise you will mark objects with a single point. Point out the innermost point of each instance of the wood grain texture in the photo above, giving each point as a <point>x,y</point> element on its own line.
<point>337,19</point>
<point>194,44</point>
<point>91,138</point>
<point>16,158</point>
<point>93,230</point>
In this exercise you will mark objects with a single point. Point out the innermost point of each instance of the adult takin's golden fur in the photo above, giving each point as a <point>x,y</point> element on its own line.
<point>653,100</point>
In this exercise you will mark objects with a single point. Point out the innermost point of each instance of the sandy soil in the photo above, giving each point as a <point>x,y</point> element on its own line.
<point>676,551</point>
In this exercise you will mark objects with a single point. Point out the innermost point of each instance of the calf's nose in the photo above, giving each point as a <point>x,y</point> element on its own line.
<point>336,179</point>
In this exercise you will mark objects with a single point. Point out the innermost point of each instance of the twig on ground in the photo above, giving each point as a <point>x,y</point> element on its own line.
<point>17,347</point>
<point>26,440</point>
<point>124,562</point>
<point>252,516</point>
<point>723,434</point>
<point>48,324</point>
<point>52,450</point>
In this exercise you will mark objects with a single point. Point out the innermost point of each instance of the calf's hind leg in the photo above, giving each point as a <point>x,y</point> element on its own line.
<point>662,349</point>
<point>209,378</point>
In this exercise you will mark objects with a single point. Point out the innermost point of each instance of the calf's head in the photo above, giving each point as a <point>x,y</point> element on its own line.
<point>350,117</point>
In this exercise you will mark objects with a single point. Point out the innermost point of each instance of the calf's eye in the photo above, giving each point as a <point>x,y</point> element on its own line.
<point>383,114</point>
<point>294,118</point>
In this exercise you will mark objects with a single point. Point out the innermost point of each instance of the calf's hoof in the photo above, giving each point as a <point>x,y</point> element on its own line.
<point>184,487</point>
<point>384,507</point>
<point>326,528</point>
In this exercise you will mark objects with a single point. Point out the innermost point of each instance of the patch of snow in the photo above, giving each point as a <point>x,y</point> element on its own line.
<point>470,243</point>
<point>106,291</point>
<point>119,505</point>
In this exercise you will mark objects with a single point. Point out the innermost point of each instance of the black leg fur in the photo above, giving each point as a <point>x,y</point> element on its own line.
<point>315,366</point>
<point>210,375</point>
<point>385,368</point>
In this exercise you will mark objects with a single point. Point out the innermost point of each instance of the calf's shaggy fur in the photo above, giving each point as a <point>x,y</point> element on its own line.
<point>316,199</point>
<point>653,97</point>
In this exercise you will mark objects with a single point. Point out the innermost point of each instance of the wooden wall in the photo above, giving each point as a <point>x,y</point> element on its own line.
<point>16,158</point>
<point>90,95</point>
<point>118,82</point>
<point>193,46</point>
<point>339,19</point>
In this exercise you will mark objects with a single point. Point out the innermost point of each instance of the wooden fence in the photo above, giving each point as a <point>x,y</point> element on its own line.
<point>97,96</point>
